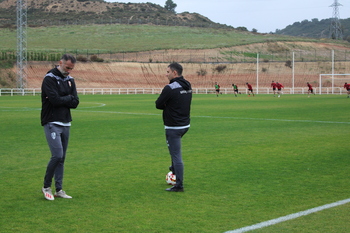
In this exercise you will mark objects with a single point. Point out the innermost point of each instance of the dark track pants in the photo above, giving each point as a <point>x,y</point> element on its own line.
<point>173,137</point>
<point>57,138</point>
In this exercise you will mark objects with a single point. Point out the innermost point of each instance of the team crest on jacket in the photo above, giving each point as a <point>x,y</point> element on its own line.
<point>53,135</point>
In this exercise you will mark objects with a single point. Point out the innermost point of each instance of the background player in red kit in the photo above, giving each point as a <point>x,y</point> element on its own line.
<point>273,85</point>
<point>250,89</point>
<point>347,87</point>
<point>311,90</point>
<point>279,88</point>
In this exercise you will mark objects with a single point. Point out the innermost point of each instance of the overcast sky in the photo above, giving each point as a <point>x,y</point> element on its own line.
<point>263,15</point>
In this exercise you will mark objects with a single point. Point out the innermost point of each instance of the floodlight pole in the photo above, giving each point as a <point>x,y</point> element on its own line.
<point>21,44</point>
<point>332,71</point>
<point>293,73</point>
<point>257,73</point>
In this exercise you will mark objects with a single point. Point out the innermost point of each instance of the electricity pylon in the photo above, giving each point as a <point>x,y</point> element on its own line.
<point>21,44</point>
<point>335,31</point>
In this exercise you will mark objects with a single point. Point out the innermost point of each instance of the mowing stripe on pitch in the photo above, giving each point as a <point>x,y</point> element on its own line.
<point>288,217</point>
<point>125,113</point>
<point>267,119</point>
<point>8,109</point>
<point>235,118</point>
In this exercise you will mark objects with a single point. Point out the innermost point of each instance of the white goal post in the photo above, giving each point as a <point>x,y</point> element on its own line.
<point>333,83</point>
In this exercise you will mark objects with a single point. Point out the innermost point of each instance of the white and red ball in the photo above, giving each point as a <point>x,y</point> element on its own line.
<point>170,178</point>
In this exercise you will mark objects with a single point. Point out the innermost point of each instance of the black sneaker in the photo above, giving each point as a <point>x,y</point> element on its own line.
<point>175,189</point>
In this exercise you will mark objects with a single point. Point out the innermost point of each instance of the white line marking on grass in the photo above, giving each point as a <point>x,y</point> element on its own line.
<point>289,217</point>
<point>16,109</point>
<point>98,105</point>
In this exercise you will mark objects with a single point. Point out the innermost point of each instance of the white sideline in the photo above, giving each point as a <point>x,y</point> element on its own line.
<point>288,217</point>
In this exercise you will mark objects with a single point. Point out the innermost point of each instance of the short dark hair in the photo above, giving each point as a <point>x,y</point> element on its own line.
<point>69,57</point>
<point>176,66</point>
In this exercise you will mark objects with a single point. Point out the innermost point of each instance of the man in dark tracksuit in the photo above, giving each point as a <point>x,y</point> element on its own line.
<point>175,101</point>
<point>58,96</point>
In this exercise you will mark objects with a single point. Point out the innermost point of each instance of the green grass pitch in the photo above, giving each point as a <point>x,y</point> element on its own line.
<point>247,160</point>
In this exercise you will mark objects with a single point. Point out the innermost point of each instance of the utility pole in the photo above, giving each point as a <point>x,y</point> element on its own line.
<point>335,31</point>
<point>21,44</point>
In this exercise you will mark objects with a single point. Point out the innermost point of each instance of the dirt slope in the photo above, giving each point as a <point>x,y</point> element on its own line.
<point>152,75</point>
<point>203,75</point>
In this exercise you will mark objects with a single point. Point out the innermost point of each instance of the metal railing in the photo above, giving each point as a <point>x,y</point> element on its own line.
<point>135,91</point>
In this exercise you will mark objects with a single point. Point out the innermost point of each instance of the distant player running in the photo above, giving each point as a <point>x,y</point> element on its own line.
<point>217,89</point>
<point>347,87</point>
<point>273,85</point>
<point>235,89</point>
<point>250,89</point>
<point>311,90</point>
<point>279,88</point>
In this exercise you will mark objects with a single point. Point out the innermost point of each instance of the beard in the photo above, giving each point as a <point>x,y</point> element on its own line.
<point>65,74</point>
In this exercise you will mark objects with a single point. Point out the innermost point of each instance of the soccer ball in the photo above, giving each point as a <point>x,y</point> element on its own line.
<point>170,178</point>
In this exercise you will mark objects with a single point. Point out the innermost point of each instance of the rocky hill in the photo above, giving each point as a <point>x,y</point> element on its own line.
<point>58,12</point>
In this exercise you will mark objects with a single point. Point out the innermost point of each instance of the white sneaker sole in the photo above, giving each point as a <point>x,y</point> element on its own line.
<point>66,196</point>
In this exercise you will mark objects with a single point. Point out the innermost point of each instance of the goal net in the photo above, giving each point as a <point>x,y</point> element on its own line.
<point>333,83</point>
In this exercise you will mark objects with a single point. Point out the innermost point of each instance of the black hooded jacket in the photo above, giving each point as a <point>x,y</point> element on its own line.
<point>58,96</point>
<point>175,101</point>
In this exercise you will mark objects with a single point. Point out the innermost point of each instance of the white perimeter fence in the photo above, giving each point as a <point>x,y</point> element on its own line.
<point>133,91</point>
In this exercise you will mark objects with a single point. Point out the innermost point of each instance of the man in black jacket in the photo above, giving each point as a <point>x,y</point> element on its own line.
<point>58,96</point>
<point>175,101</point>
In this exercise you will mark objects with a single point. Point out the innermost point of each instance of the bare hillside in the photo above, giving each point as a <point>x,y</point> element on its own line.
<point>56,12</point>
<point>203,75</point>
<point>152,75</point>
<point>145,74</point>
